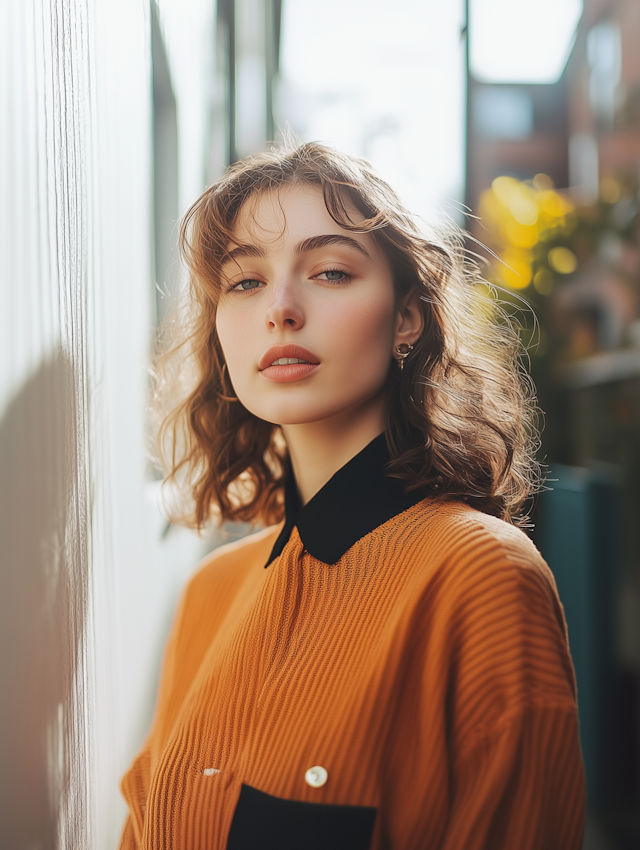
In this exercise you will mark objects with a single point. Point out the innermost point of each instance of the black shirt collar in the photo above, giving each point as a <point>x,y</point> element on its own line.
<point>355,501</point>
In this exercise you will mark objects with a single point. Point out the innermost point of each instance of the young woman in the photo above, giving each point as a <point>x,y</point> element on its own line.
<point>385,665</point>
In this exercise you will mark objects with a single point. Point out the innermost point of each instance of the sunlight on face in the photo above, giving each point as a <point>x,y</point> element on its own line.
<point>307,318</point>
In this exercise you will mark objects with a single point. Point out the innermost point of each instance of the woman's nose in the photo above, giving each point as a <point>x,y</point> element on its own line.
<point>284,310</point>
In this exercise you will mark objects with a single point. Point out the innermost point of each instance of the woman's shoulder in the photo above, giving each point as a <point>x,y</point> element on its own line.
<point>457,525</point>
<point>225,576</point>
<point>472,547</point>
<point>489,613</point>
<point>230,565</point>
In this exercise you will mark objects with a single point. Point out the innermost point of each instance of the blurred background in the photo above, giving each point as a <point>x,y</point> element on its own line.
<point>519,119</point>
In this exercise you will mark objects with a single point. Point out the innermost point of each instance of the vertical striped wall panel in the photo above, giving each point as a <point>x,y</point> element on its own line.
<point>87,586</point>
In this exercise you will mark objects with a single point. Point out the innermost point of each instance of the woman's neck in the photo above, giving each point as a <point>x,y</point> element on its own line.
<point>319,449</point>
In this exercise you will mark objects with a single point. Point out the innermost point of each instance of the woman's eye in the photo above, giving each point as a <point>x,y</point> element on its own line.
<point>247,285</point>
<point>334,275</point>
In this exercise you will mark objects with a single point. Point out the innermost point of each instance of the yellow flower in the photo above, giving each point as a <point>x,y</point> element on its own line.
<point>562,260</point>
<point>515,271</point>
<point>518,216</point>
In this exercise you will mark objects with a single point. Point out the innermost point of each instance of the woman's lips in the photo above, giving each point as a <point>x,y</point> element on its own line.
<point>276,365</point>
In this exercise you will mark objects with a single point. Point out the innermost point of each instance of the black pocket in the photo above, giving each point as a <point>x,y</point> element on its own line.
<point>264,822</point>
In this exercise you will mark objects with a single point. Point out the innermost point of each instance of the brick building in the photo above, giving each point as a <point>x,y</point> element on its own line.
<point>583,132</point>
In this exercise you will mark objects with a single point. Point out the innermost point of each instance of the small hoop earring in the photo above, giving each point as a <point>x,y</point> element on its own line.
<point>403,351</point>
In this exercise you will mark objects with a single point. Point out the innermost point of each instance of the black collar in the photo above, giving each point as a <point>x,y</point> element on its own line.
<point>355,501</point>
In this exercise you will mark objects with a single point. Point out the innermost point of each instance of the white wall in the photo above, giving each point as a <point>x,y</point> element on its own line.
<point>87,586</point>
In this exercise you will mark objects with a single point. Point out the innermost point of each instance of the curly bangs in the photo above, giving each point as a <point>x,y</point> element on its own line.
<point>461,416</point>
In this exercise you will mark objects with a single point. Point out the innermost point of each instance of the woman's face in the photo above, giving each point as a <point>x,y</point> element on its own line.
<point>307,319</point>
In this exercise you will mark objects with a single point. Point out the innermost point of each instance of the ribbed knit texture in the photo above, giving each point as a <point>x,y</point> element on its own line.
<point>427,671</point>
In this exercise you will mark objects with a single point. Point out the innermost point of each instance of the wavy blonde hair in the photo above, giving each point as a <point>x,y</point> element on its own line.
<point>460,418</point>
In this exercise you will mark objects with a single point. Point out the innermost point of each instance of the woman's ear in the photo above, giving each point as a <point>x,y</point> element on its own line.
<point>409,320</point>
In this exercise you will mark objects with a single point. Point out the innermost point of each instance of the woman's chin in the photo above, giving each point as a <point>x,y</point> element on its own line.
<point>293,414</point>
<point>288,418</point>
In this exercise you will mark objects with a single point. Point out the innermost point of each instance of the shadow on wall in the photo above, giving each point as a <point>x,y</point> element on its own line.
<point>44,515</point>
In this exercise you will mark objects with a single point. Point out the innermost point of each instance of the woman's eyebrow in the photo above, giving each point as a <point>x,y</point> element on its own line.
<point>330,239</point>
<point>243,251</point>
<point>311,244</point>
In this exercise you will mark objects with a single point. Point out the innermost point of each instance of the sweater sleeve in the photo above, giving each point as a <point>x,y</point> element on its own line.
<point>204,604</point>
<point>135,783</point>
<point>520,787</point>
<point>516,777</point>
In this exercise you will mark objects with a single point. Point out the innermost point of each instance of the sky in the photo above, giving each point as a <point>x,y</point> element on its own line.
<point>522,41</point>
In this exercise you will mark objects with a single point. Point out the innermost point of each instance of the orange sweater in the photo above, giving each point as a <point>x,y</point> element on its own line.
<point>425,675</point>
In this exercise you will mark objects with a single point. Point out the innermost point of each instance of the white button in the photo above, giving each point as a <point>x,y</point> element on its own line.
<point>316,776</point>
<point>210,771</point>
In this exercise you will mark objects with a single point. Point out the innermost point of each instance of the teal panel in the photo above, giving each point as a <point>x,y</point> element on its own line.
<point>578,541</point>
